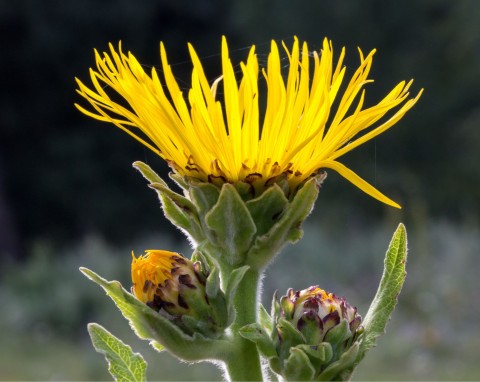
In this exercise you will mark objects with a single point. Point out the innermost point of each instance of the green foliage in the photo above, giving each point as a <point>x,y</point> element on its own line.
<point>339,370</point>
<point>123,364</point>
<point>334,356</point>
<point>298,367</point>
<point>287,228</point>
<point>390,286</point>
<point>160,331</point>
<point>235,278</point>
<point>258,334</point>
<point>232,225</point>
<point>267,208</point>
<point>148,173</point>
<point>46,303</point>
<point>179,210</point>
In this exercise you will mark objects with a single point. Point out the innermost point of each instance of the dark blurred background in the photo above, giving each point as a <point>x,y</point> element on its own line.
<point>69,197</point>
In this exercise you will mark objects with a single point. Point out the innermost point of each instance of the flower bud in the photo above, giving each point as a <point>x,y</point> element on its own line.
<point>315,312</point>
<point>175,287</point>
<point>314,335</point>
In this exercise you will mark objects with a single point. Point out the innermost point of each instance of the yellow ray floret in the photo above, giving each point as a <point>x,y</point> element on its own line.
<point>203,137</point>
<point>151,271</point>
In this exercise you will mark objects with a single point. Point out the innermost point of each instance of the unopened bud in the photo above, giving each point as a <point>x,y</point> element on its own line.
<point>170,283</point>
<point>314,336</point>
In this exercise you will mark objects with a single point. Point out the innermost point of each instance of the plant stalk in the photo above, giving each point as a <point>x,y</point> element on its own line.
<point>243,361</point>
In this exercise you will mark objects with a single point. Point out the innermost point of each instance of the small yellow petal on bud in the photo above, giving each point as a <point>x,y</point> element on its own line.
<point>160,277</point>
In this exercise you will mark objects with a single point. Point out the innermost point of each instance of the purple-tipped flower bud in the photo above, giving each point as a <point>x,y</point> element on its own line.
<point>314,335</point>
<point>314,312</point>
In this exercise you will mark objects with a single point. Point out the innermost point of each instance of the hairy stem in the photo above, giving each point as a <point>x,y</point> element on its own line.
<point>243,361</point>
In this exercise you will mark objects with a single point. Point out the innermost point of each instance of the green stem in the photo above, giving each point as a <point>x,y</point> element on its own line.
<point>243,361</point>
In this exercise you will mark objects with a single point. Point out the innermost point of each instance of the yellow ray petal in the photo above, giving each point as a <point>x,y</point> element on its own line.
<point>359,182</point>
<point>202,136</point>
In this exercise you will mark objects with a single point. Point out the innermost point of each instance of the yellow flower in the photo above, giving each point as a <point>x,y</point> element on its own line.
<point>168,282</point>
<point>160,279</point>
<point>299,133</point>
<point>152,270</point>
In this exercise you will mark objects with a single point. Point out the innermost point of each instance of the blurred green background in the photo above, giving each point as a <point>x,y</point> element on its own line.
<point>69,197</point>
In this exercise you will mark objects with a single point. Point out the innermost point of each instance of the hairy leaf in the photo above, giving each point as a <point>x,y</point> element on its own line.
<point>123,363</point>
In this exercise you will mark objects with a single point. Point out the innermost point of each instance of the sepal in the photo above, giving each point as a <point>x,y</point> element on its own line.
<point>264,318</point>
<point>204,196</point>
<point>297,366</point>
<point>267,208</point>
<point>148,173</point>
<point>257,334</point>
<point>287,228</point>
<point>288,336</point>
<point>338,334</point>
<point>341,370</point>
<point>232,223</point>
<point>177,208</point>
<point>318,354</point>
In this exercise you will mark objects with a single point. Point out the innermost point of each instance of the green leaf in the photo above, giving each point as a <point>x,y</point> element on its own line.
<point>204,196</point>
<point>265,319</point>
<point>233,282</point>
<point>233,226</point>
<point>387,294</point>
<point>148,173</point>
<point>123,363</point>
<point>343,366</point>
<point>267,208</point>
<point>287,229</point>
<point>290,336</point>
<point>318,354</point>
<point>179,210</point>
<point>257,334</point>
<point>151,325</point>
<point>180,180</point>
<point>275,364</point>
<point>338,333</point>
<point>298,366</point>
<point>216,298</point>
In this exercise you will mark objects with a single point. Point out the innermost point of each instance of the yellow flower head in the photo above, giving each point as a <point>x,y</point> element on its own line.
<point>200,136</point>
<point>158,278</point>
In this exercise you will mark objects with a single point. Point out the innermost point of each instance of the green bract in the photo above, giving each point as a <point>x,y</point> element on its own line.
<point>228,224</point>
